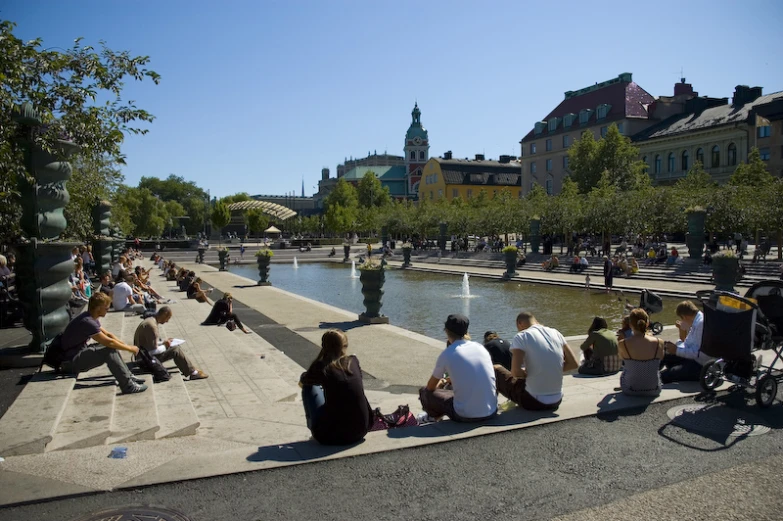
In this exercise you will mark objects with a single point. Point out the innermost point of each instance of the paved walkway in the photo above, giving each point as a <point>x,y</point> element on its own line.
<point>248,414</point>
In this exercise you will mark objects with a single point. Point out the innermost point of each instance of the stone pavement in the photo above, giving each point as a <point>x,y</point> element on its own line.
<point>247,416</point>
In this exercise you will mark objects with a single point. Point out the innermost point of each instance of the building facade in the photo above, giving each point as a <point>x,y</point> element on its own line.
<point>373,159</point>
<point>717,134</point>
<point>448,178</point>
<point>417,150</point>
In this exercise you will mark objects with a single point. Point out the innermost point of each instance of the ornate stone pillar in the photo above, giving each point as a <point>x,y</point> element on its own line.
<point>102,249</point>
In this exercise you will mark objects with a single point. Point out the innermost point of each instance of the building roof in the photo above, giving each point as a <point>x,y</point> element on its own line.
<point>626,98</point>
<point>486,172</point>
<point>383,173</point>
<point>275,210</point>
<point>706,119</point>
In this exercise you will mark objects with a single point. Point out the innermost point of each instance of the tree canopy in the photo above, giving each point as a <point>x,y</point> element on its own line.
<point>613,155</point>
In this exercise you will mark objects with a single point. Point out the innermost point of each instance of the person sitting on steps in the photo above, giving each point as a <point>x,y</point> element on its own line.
<point>683,360</point>
<point>146,337</point>
<point>222,312</point>
<point>78,357</point>
<point>195,291</point>
<point>600,350</point>
<point>641,354</point>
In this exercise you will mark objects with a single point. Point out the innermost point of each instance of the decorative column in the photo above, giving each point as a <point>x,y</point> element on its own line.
<point>442,229</point>
<point>102,249</point>
<point>695,241</point>
<point>115,244</point>
<point>535,234</point>
<point>372,278</point>
<point>44,264</point>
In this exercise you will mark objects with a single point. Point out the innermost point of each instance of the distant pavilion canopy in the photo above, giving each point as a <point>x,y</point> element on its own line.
<point>276,211</point>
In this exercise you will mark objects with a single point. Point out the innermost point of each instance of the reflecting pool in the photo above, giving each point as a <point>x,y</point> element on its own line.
<point>420,301</point>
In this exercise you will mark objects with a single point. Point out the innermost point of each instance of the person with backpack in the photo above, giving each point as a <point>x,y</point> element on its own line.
<point>78,357</point>
<point>147,337</point>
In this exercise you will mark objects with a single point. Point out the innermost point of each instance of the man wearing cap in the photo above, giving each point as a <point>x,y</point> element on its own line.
<point>539,357</point>
<point>499,349</point>
<point>472,396</point>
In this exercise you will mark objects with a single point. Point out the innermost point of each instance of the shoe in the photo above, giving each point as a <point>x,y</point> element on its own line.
<point>423,418</point>
<point>135,388</point>
<point>137,380</point>
<point>199,375</point>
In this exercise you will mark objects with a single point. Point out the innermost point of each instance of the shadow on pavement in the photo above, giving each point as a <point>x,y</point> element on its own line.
<point>345,326</point>
<point>298,451</point>
<point>616,405</point>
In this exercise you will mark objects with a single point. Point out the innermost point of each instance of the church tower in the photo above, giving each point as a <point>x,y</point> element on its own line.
<point>417,147</point>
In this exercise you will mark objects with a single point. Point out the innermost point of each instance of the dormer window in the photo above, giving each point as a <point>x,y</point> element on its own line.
<point>540,127</point>
<point>603,110</point>
<point>553,124</point>
<point>584,116</point>
<point>568,120</point>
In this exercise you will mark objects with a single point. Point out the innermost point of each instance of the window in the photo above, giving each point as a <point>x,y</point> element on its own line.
<point>584,116</point>
<point>620,127</point>
<point>700,156</point>
<point>539,128</point>
<point>732,154</point>
<point>646,166</point>
<point>549,185</point>
<point>764,152</point>
<point>603,131</point>
<point>533,167</point>
<point>470,193</point>
<point>532,148</point>
<point>764,131</point>
<point>548,145</point>
<point>565,162</point>
<point>566,141</point>
<point>715,157</point>
<point>422,154</point>
<point>670,163</point>
<point>602,111</point>
<point>454,193</point>
<point>553,124</point>
<point>413,155</point>
<point>568,120</point>
<point>657,164</point>
<point>548,165</point>
<point>432,196</point>
<point>685,161</point>
<point>440,194</point>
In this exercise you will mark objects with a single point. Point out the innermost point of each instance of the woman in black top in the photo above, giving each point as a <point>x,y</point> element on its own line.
<point>222,312</point>
<point>336,408</point>
<point>195,291</point>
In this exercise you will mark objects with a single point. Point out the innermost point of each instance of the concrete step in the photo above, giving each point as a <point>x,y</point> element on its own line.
<point>31,421</point>
<point>86,420</point>
<point>176,414</point>
<point>135,416</point>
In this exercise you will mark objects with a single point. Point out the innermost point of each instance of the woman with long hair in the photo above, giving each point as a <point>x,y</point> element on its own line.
<point>336,408</point>
<point>642,355</point>
<point>600,350</point>
<point>195,291</point>
<point>222,312</point>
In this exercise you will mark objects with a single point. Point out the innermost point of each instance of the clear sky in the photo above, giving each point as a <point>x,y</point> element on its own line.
<point>258,95</point>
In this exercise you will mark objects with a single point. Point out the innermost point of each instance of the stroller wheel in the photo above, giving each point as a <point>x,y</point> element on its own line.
<point>766,390</point>
<point>710,377</point>
<point>656,328</point>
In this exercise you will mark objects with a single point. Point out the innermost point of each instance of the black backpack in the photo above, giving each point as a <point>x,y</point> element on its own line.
<point>153,365</point>
<point>54,356</point>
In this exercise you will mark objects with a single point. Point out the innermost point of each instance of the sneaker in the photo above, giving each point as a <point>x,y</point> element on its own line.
<point>423,418</point>
<point>137,380</point>
<point>135,388</point>
<point>199,375</point>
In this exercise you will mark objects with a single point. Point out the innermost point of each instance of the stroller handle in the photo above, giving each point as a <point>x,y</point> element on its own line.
<point>706,295</point>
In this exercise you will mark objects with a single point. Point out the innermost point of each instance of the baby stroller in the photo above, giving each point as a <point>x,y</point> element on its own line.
<point>735,328</point>
<point>652,303</point>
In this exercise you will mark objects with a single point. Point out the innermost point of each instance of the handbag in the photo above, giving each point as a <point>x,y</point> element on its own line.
<point>154,366</point>
<point>231,325</point>
<point>402,417</point>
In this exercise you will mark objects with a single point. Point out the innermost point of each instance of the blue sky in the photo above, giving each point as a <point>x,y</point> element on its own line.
<point>258,95</point>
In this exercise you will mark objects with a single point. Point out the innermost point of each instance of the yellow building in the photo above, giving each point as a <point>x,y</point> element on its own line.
<point>444,177</point>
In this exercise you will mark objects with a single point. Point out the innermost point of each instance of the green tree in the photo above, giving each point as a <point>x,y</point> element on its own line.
<point>371,192</point>
<point>175,188</point>
<point>613,155</point>
<point>256,220</point>
<point>220,216</point>
<point>342,207</point>
<point>752,173</point>
<point>92,179</point>
<point>237,198</point>
<point>63,86</point>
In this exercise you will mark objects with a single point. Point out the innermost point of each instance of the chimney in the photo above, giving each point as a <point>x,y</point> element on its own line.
<point>479,157</point>
<point>683,88</point>
<point>447,155</point>
<point>324,174</point>
<point>744,94</point>
<point>504,159</point>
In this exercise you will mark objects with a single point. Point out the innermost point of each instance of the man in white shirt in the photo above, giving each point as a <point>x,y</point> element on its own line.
<point>539,357</point>
<point>123,298</point>
<point>466,367</point>
<point>683,360</point>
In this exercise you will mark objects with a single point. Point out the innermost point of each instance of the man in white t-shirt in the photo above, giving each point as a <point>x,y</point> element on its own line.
<point>539,357</point>
<point>123,299</point>
<point>466,367</point>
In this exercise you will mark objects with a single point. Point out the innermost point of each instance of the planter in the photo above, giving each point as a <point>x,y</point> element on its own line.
<point>263,270</point>
<point>222,258</point>
<point>406,257</point>
<point>200,255</point>
<point>511,263</point>
<point>535,234</point>
<point>372,289</point>
<point>725,271</point>
<point>44,290</point>
<point>695,240</point>
<point>346,251</point>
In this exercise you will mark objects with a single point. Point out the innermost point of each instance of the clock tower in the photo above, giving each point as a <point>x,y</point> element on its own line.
<point>417,146</point>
